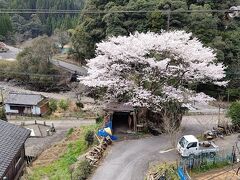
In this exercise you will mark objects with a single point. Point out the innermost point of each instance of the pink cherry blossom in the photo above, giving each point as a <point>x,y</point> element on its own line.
<point>147,69</point>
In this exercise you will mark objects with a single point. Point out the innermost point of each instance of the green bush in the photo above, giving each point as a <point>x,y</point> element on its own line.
<point>234,94</point>
<point>53,105</point>
<point>234,113</point>
<point>3,114</point>
<point>79,105</point>
<point>82,171</point>
<point>63,104</point>
<point>70,131</point>
<point>99,119</point>
<point>89,137</point>
<point>207,166</point>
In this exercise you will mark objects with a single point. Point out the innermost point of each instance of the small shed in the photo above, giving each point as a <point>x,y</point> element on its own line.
<point>26,104</point>
<point>123,116</point>
<point>12,150</point>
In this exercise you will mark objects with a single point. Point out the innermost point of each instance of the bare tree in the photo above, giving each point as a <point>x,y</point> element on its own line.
<point>78,90</point>
<point>61,36</point>
<point>171,119</point>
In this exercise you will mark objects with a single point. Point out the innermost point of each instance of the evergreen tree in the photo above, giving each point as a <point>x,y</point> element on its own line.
<point>6,26</point>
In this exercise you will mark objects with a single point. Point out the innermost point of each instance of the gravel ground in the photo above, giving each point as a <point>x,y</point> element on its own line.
<point>34,146</point>
<point>11,54</point>
<point>12,87</point>
<point>129,160</point>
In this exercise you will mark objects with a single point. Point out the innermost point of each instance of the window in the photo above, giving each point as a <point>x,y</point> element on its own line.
<point>14,107</point>
<point>192,145</point>
<point>183,142</point>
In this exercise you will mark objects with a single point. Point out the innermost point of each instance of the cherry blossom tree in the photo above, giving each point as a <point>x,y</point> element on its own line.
<point>149,69</point>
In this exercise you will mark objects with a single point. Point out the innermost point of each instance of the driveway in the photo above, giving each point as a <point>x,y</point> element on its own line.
<point>129,160</point>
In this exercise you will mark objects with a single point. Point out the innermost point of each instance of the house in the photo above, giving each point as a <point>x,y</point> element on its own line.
<point>26,104</point>
<point>12,150</point>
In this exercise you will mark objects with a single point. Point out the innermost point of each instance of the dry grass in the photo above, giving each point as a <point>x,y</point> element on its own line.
<point>57,150</point>
<point>56,162</point>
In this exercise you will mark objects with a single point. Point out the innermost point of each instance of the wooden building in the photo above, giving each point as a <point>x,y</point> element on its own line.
<point>26,104</point>
<point>123,116</point>
<point>12,150</point>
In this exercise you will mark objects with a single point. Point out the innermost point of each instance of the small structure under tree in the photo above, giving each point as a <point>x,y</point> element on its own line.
<point>123,116</point>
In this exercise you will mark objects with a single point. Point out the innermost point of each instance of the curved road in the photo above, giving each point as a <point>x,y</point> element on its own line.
<point>129,160</point>
<point>69,67</point>
<point>13,52</point>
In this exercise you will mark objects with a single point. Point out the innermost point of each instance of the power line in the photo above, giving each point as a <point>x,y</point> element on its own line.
<point>49,11</point>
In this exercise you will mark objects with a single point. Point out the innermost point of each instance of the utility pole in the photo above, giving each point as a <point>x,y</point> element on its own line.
<point>168,19</point>
<point>2,95</point>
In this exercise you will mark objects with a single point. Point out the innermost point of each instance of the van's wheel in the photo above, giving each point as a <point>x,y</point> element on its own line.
<point>212,155</point>
<point>191,156</point>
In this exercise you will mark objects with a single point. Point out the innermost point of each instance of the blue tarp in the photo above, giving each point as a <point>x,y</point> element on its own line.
<point>109,124</point>
<point>103,133</point>
<point>181,174</point>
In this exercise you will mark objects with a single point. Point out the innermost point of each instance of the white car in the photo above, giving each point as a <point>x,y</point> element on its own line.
<point>189,146</point>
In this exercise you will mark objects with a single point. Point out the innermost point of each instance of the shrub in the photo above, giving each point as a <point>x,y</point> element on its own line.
<point>79,105</point>
<point>7,69</point>
<point>53,105</point>
<point>63,104</point>
<point>234,113</point>
<point>70,131</point>
<point>208,165</point>
<point>82,171</point>
<point>99,119</point>
<point>169,170</point>
<point>3,114</point>
<point>89,137</point>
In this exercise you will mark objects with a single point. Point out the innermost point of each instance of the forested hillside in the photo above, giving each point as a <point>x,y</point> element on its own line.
<point>215,29</point>
<point>32,25</point>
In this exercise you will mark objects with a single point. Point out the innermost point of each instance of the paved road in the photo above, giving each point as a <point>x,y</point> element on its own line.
<point>129,160</point>
<point>69,67</point>
<point>205,109</point>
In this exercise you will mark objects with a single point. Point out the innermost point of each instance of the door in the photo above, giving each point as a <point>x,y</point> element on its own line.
<point>192,148</point>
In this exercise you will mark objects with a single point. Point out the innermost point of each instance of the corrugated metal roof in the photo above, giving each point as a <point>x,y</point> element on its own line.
<point>12,137</point>
<point>23,99</point>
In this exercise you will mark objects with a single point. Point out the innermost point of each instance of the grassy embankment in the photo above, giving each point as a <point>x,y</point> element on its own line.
<point>7,69</point>
<point>61,168</point>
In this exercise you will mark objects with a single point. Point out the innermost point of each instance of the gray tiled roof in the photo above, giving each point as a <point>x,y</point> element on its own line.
<point>12,137</point>
<point>23,99</point>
